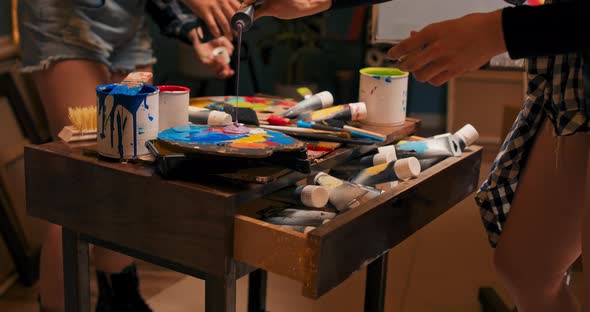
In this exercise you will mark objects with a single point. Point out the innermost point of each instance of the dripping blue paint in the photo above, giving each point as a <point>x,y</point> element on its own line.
<point>198,134</point>
<point>388,79</point>
<point>377,77</point>
<point>127,102</point>
<point>150,117</point>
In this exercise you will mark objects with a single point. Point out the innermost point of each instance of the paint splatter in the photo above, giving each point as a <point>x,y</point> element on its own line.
<point>150,117</point>
<point>377,77</point>
<point>388,79</point>
<point>374,88</point>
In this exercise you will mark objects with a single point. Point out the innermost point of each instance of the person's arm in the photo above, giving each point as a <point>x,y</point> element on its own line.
<point>172,19</point>
<point>546,30</point>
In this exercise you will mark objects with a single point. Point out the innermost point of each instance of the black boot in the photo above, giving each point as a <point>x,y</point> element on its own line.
<point>119,292</point>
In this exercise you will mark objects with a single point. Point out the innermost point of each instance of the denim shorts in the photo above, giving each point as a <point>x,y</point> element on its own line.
<point>111,32</point>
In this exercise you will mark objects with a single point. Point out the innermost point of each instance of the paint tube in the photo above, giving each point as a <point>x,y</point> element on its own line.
<point>428,148</point>
<point>317,101</point>
<point>377,159</point>
<point>427,163</point>
<point>398,170</point>
<point>347,112</point>
<point>300,228</point>
<point>299,217</point>
<point>208,117</point>
<point>312,195</point>
<point>464,137</point>
<point>345,195</point>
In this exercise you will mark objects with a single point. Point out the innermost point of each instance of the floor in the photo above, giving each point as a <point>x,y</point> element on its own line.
<point>438,269</point>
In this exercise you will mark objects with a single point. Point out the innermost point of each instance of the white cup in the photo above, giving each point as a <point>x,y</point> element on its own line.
<point>385,92</point>
<point>174,103</point>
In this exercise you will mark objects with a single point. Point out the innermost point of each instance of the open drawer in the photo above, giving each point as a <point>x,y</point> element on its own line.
<point>328,255</point>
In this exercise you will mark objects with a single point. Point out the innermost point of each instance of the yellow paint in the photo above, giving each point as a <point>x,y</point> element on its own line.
<point>376,169</point>
<point>382,71</point>
<point>253,138</point>
<point>326,113</point>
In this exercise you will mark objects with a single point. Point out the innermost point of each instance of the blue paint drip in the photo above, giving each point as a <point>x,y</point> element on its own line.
<point>150,117</point>
<point>377,77</point>
<point>128,102</point>
<point>388,79</point>
<point>418,147</point>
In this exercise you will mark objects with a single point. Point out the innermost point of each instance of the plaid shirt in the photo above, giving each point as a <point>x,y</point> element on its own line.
<point>172,17</point>
<point>555,90</point>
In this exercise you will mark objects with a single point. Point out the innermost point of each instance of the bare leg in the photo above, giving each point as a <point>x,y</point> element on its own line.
<point>542,237</point>
<point>586,241</point>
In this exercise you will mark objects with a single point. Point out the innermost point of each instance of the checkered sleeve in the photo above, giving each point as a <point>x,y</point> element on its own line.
<point>173,18</point>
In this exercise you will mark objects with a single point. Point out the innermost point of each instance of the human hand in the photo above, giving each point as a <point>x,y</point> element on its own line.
<point>444,50</point>
<point>214,12</point>
<point>288,9</point>
<point>204,51</point>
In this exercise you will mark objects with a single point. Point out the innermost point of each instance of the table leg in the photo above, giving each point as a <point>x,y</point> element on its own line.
<point>76,272</point>
<point>220,294</point>
<point>376,284</point>
<point>257,291</point>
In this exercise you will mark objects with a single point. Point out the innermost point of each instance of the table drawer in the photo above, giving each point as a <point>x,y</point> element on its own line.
<point>328,255</point>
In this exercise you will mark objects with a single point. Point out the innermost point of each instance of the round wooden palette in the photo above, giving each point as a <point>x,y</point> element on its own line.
<point>259,143</point>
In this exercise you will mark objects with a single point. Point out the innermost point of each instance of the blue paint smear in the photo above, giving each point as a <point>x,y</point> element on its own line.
<point>377,77</point>
<point>215,107</point>
<point>388,79</point>
<point>418,147</point>
<point>150,117</point>
<point>131,103</point>
<point>198,134</point>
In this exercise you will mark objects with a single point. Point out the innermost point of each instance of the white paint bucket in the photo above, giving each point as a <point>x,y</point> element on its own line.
<point>174,103</point>
<point>385,92</point>
<point>126,122</point>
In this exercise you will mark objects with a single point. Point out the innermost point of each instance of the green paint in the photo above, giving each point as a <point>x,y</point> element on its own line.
<point>383,71</point>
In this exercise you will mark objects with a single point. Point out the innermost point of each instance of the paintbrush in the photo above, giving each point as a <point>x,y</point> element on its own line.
<point>317,135</point>
<point>83,125</point>
<point>343,125</point>
<point>132,84</point>
<point>311,125</point>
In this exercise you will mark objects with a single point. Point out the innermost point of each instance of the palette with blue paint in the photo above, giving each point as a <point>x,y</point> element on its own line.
<point>211,140</point>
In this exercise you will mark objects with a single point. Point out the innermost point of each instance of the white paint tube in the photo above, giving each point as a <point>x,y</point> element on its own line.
<point>399,170</point>
<point>429,148</point>
<point>200,116</point>
<point>299,228</point>
<point>313,196</point>
<point>317,101</point>
<point>464,137</point>
<point>427,163</point>
<point>345,195</point>
<point>346,112</point>
<point>299,217</point>
<point>377,159</point>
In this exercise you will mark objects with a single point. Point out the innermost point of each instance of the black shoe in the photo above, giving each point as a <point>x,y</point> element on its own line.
<point>121,294</point>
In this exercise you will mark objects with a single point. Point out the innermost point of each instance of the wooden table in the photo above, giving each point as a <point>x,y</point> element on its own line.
<point>202,228</point>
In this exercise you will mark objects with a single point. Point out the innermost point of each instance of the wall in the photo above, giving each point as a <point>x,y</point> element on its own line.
<point>5,18</point>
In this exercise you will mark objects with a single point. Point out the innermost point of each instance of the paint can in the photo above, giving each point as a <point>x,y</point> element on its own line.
<point>174,103</point>
<point>385,92</point>
<point>126,122</point>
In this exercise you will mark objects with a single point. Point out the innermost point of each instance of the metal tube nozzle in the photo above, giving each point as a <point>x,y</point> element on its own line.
<point>245,16</point>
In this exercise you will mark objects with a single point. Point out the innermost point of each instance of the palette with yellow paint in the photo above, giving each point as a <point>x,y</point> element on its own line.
<point>259,143</point>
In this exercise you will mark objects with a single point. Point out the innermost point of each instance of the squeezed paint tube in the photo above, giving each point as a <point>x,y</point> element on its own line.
<point>300,228</point>
<point>208,117</point>
<point>345,195</point>
<point>313,196</point>
<point>317,101</point>
<point>464,137</point>
<point>428,148</point>
<point>299,217</point>
<point>398,170</point>
<point>377,159</point>
<point>347,112</point>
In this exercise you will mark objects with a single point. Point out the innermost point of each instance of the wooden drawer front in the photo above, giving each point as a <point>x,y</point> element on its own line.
<point>328,255</point>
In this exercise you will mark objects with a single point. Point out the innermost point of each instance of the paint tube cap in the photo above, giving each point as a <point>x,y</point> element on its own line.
<point>222,53</point>
<point>358,111</point>
<point>386,149</point>
<point>326,98</point>
<point>384,158</point>
<point>407,168</point>
<point>468,134</point>
<point>314,196</point>
<point>318,176</point>
<point>217,118</point>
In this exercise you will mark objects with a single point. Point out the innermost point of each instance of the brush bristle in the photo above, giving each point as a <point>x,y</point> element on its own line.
<point>83,118</point>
